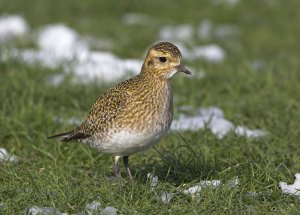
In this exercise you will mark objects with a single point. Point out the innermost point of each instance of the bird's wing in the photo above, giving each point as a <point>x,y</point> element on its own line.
<point>105,111</point>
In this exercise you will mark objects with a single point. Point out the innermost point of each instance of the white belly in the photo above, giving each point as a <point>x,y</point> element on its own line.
<point>127,142</point>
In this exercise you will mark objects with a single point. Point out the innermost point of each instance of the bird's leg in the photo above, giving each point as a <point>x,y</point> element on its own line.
<point>116,169</point>
<point>125,162</point>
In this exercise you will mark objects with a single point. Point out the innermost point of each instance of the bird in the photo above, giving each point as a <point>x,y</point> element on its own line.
<point>134,114</point>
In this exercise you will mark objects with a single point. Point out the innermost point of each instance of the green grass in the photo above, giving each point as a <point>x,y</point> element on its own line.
<point>68,176</point>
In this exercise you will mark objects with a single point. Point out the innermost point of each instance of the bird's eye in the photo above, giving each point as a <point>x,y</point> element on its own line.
<point>162,59</point>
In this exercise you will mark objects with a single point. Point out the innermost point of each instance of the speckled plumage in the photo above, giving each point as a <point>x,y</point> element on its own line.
<point>136,113</point>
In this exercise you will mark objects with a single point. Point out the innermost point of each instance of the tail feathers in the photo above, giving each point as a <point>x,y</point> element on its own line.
<point>68,136</point>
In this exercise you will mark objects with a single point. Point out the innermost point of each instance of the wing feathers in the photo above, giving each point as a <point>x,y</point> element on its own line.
<point>68,136</point>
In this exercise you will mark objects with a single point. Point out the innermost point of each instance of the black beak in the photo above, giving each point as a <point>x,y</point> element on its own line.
<point>181,68</point>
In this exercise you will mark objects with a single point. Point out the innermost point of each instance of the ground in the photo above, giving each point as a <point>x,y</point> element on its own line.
<point>256,85</point>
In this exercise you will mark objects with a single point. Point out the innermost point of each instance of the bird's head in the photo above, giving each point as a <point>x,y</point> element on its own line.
<point>163,60</point>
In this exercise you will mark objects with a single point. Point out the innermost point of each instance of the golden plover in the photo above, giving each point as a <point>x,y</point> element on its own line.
<point>135,114</point>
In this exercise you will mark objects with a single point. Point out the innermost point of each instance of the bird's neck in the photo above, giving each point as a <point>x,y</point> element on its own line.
<point>154,76</point>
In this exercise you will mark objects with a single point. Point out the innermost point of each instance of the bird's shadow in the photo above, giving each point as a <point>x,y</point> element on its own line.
<point>176,166</point>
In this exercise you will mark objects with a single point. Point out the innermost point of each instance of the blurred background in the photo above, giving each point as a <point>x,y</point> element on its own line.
<point>236,117</point>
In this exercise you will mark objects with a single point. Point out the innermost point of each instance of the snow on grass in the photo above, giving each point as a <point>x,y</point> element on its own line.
<point>212,53</point>
<point>202,185</point>
<point>35,210</point>
<point>166,197</point>
<point>12,26</point>
<point>213,119</point>
<point>60,45</point>
<point>5,156</point>
<point>242,131</point>
<point>105,67</point>
<point>153,181</point>
<point>108,210</point>
<point>196,190</point>
<point>61,41</point>
<point>94,208</point>
<point>234,182</point>
<point>90,209</point>
<point>293,189</point>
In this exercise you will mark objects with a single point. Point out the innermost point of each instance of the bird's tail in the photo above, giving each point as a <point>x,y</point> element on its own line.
<point>68,136</point>
<point>61,137</point>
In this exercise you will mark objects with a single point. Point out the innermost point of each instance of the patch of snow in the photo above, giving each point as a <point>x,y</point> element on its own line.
<point>166,197</point>
<point>213,118</point>
<point>135,19</point>
<point>61,41</point>
<point>95,208</point>
<point>200,121</point>
<point>92,207</point>
<point>104,66</point>
<point>43,210</point>
<point>194,190</point>
<point>185,123</point>
<point>108,210</point>
<point>154,180</point>
<point>293,189</point>
<point>242,131</point>
<point>12,26</point>
<point>234,182</point>
<point>211,112</point>
<point>212,53</point>
<point>176,33</point>
<point>5,156</point>
<point>60,45</point>
<point>220,127</point>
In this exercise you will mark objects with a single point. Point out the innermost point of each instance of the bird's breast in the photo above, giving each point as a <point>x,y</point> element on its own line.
<point>153,110</point>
